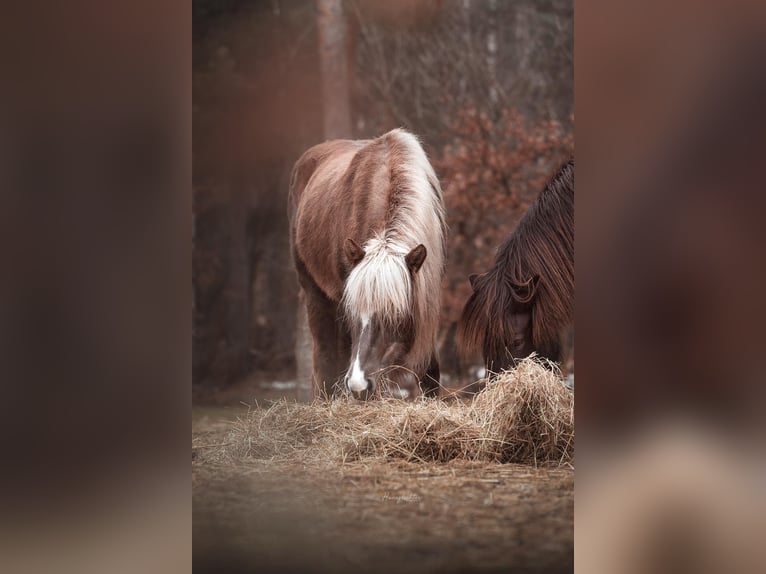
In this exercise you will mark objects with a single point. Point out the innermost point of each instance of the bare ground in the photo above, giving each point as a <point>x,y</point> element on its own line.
<point>374,516</point>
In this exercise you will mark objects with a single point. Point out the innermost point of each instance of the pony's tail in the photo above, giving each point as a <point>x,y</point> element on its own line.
<point>484,324</point>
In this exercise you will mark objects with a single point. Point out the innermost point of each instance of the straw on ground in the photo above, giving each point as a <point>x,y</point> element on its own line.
<point>525,415</point>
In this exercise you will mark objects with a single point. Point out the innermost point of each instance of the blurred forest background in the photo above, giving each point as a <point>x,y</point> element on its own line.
<point>486,84</point>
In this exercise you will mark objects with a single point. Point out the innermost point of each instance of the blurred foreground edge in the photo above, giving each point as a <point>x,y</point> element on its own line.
<point>670,312</point>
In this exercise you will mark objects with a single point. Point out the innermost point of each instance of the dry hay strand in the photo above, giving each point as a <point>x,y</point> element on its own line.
<point>523,415</point>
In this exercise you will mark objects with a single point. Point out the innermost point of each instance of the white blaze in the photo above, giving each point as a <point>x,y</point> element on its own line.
<point>356,379</point>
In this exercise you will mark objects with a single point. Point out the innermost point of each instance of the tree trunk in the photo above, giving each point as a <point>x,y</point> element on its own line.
<point>303,354</point>
<point>333,64</point>
<point>492,52</point>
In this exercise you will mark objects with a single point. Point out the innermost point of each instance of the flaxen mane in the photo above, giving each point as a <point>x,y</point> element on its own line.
<point>381,283</point>
<point>542,245</point>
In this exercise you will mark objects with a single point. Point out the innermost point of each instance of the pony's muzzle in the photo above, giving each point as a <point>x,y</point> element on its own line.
<point>361,387</point>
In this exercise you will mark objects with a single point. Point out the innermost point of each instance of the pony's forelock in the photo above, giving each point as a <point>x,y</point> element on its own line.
<point>486,307</point>
<point>380,285</point>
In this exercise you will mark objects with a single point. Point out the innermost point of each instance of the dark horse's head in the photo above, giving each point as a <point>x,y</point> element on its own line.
<point>380,310</point>
<point>525,301</point>
<point>516,300</point>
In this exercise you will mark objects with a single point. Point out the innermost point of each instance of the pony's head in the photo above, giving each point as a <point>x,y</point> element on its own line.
<point>379,303</point>
<point>499,318</point>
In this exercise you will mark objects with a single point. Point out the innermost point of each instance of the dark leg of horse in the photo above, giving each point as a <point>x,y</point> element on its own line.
<point>322,315</point>
<point>326,372</point>
<point>322,323</point>
<point>430,383</point>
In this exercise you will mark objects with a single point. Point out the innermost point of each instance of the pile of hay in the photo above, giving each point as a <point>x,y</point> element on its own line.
<point>524,415</point>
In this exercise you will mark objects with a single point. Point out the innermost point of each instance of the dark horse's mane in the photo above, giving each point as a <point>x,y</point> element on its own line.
<point>542,247</point>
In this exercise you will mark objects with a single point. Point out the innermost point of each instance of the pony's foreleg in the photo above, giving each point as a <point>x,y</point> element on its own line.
<point>324,330</point>
<point>430,383</point>
<point>321,313</point>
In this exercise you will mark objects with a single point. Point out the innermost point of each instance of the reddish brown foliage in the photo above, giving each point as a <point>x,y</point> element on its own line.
<point>491,173</point>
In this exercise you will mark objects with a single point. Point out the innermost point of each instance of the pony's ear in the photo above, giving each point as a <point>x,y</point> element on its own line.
<point>525,292</point>
<point>472,280</point>
<point>354,254</point>
<point>415,258</point>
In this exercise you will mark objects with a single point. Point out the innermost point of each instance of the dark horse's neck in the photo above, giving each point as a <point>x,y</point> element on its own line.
<point>543,246</point>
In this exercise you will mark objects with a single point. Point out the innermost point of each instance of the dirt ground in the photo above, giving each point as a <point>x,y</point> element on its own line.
<point>379,516</point>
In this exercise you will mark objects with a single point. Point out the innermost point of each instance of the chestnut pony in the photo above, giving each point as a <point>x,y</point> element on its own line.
<point>368,232</point>
<point>525,302</point>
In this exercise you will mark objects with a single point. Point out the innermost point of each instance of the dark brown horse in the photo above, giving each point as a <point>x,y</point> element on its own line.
<point>368,232</point>
<point>525,302</point>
